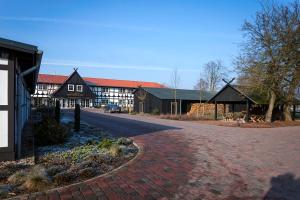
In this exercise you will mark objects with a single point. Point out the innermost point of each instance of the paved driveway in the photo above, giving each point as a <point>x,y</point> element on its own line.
<point>187,160</point>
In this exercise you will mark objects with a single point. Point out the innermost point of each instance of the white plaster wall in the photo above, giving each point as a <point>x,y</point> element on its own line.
<point>3,87</point>
<point>3,128</point>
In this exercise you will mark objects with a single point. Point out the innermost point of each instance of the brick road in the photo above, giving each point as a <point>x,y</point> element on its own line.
<point>186,160</point>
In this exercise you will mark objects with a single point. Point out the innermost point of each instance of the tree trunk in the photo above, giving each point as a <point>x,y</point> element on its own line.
<point>287,113</point>
<point>271,106</point>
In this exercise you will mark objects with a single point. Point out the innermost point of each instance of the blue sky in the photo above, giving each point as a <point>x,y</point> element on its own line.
<point>135,40</point>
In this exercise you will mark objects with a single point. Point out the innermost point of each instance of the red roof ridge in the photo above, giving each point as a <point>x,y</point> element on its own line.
<point>122,80</point>
<point>59,79</point>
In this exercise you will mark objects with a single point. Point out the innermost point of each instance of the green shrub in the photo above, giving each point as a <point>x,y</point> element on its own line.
<point>95,157</point>
<point>86,164</point>
<point>49,132</point>
<point>105,144</point>
<point>124,141</point>
<point>155,111</point>
<point>75,155</point>
<point>100,158</point>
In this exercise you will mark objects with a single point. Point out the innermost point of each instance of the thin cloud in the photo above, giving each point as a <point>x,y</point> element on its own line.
<point>95,24</point>
<point>110,66</point>
<point>77,22</point>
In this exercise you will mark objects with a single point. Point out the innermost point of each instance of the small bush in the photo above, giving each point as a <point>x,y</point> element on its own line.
<point>52,171</point>
<point>37,179</point>
<point>86,164</point>
<point>36,183</point>
<point>95,157</point>
<point>49,132</point>
<point>87,172</point>
<point>17,178</point>
<point>105,144</point>
<point>115,150</point>
<point>10,169</point>
<point>4,173</point>
<point>100,158</point>
<point>155,111</point>
<point>124,141</point>
<point>64,177</point>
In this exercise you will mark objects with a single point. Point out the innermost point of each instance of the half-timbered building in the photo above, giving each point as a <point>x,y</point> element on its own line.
<point>19,67</point>
<point>106,91</point>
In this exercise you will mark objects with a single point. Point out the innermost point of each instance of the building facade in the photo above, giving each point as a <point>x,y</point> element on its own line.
<point>106,91</point>
<point>19,67</point>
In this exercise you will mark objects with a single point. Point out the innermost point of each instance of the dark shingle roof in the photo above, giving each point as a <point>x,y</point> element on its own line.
<point>167,93</point>
<point>17,46</point>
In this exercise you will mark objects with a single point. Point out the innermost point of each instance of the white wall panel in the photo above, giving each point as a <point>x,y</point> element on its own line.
<point>3,87</point>
<point>3,129</point>
<point>3,61</point>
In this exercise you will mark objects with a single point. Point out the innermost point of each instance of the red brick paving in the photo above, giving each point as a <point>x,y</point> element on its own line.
<point>200,162</point>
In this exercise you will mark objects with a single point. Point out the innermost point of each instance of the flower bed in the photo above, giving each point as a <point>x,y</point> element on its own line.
<point>85,154</point>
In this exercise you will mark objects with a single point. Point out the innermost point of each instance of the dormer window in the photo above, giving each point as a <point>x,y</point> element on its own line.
<point>70,87</point>
<point>79,88</point>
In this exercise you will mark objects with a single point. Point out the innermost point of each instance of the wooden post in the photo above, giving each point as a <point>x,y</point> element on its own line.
<point>294,112</point>
<point>180,106</point>
<point>233,110</point>
<point>248,108</point>
<point>216,110</point>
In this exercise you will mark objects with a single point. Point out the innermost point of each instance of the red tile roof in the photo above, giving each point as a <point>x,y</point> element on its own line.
<point>59,79</point>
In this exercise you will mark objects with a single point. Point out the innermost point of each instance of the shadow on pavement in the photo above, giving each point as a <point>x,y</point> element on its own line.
<point>119,126</point>
<point>285,187</point>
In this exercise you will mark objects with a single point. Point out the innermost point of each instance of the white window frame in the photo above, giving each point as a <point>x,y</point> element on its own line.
<point>77,86</point>
<point>69,87</point>
<point>40,86</point>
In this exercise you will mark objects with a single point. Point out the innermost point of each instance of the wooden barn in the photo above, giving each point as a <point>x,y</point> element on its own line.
<point>240,99</point>
<point>166,100</point>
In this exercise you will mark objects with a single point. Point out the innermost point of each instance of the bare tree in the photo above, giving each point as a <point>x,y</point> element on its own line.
<point>141,95</point>
<point>287,31</point>
<point>213,70</point>
<point>201,85</point>
<point>175,81</point>
<point>270,55</point>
